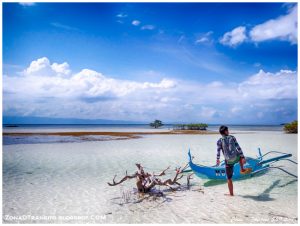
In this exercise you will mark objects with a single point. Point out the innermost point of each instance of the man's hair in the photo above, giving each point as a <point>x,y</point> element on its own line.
<point>222,129</point>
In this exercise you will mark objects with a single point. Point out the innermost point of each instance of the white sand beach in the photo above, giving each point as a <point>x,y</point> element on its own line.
<point>67,182</point>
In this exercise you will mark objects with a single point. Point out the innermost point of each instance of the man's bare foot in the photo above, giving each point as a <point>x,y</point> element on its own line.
<point>246,171</point>
<point>228,194</point>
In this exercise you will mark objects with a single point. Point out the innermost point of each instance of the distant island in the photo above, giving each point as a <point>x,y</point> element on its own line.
<point>191,126</point>
<point>10,125</point>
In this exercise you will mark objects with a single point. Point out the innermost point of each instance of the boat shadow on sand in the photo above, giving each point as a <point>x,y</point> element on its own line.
<point>265,195</point>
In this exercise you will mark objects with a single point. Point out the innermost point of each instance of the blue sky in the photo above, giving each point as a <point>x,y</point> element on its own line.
<point>210,62</point>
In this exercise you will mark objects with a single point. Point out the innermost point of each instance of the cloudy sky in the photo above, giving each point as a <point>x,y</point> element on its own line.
<point>197,62</point>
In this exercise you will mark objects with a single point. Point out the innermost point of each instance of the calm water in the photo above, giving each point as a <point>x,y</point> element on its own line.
<point>132,127</point>
<point>8,140</point>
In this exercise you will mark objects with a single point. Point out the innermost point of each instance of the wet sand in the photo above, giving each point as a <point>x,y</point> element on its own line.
<point>113,134</point>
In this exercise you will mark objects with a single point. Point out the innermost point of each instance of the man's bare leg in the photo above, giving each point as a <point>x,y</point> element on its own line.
<point>242,165</point>
<point>230,187</point>
<point>244,170</point>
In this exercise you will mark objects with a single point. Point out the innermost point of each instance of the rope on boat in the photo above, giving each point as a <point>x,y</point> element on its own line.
<point>274,167</point>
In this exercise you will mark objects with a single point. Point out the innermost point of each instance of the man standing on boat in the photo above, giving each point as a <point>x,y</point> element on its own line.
<point>232,153</point>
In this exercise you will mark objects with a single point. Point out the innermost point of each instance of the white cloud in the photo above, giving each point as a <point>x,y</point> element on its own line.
<point>136,22</point>
<point>27,3</point>
<point>42,67</point>
<point>55,80</point>
<point>63,26</point>
<point>121,15</point>
<point>204,38</point>
<point>148,27</point>
<point>215,84</point>
<point>61,69</point>
<point>165,84</point>
<point>51,89</point>
<point>283,28</point>
<point>208,112</point>
<point>236,109</point>
<point>169,99</point>
<point>234,37</point>
<point>266,85</point>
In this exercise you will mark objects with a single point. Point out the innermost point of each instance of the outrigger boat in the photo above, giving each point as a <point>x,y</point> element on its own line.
<point>257,165</point>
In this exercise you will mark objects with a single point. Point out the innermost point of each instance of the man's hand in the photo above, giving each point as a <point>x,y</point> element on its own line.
<point>218,162</point>
<point>243,160</point>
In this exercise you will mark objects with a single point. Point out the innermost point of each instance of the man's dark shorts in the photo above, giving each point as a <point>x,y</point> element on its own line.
<point>230,167</point>
<point>229,170</point>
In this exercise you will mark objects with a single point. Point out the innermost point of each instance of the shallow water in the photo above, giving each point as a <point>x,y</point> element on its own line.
<point>85,128</point>
<point>36,139</point>
<point>68,180</point>
<point>129,128</point>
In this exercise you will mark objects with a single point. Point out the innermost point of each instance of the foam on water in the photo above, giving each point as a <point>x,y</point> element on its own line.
<point>70,179</point>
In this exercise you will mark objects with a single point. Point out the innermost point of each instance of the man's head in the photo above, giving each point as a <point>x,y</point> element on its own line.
<point>224,130</point>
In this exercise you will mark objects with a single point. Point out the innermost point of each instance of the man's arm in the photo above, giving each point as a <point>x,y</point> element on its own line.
<point>238,148</point>
<point>219,148</point>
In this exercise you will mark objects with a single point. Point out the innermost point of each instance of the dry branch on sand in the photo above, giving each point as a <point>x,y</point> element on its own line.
<point>146,181</point>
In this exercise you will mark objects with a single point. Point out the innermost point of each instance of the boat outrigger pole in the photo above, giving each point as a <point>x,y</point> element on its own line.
<point>275,159</point>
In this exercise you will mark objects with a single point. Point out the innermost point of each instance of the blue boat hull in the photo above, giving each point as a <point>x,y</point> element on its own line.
<point>219,173</point>
<point>258,165</point>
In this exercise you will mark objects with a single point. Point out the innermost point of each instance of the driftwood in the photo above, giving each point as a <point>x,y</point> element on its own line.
<point>146,181</point>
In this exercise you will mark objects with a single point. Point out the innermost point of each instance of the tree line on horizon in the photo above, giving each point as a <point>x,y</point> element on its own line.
<point>191,126</point>
<point>291,127</point>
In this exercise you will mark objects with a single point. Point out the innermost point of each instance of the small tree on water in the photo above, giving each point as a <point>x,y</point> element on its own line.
<point>157,123</point>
